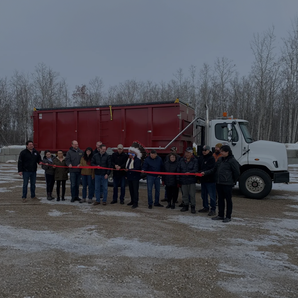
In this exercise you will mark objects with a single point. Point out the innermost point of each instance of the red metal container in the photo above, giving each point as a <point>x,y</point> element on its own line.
<point>159,125</point>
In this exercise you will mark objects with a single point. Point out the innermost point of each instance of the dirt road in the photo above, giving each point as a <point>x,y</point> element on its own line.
<point>63,249</point>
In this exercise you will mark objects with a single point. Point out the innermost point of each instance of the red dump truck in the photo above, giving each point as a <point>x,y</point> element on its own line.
<point>158,125</point>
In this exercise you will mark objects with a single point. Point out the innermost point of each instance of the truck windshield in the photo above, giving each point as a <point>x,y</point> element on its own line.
<point>245,131</point>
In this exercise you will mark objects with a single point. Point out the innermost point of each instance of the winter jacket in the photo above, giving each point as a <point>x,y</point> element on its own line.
<point>205,163</point>
<point>49,170</point>
<point>188,167</point>
<point>227,170</point>
<point>86,172</point>
<point>28,161</point>
<point>60,173</point>
<point>170,167</point>
<point>132,175</point>
<point>153,165</point>
<point>120,160</point>
<point>73,157</point>
<point>103,160</point>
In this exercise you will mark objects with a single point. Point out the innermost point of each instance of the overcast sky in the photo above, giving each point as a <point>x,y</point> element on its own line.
<point>119,40</point>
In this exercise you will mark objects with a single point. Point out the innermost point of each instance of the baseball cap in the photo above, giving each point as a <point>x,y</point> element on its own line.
<point>206,148</point>
<point>120,146</point>
<point>189,149</point>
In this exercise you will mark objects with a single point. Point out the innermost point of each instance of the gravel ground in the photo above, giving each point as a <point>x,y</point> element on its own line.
<point>63,249</point>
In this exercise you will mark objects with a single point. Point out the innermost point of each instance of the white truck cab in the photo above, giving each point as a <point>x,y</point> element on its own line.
<point>261,162</point>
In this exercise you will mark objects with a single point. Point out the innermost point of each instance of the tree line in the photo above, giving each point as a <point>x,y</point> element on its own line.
<point>267,97</point>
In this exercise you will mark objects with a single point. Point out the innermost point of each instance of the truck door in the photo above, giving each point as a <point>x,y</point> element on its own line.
<point>229,134</point>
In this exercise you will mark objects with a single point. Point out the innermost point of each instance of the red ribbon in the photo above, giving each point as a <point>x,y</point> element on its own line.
<point>103,168</point>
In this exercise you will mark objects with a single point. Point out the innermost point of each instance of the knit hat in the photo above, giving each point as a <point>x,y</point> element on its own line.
<point>138,149</point>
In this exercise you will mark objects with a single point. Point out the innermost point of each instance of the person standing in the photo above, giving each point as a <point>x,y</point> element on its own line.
<point>27,167</point>
<point>188,164</point>
<point>72,159</point>
<point>208,187</point>
<point>49,173</point>
<point>217,153</point>
<point>153,163</point>
<point>133,163</point>
<point>87,176</point>
<point>171,181</point>
<point>227,172</point>
<point>118,160</point>
<point>97,149</point>
<point>173,151</point>
<point>101,159</point>
<point>61,174</point>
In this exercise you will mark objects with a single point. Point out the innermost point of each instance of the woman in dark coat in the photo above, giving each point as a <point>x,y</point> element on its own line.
<point>61,174</point>
<point>171,181</point>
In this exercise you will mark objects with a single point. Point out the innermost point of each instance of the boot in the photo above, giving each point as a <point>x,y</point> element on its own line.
<point>185,208</point>
<point>181,205</point>
<point>49,197</point>
<point>52,196</point>
<point>193,209</point>
<point>173,205</point>
<point>169,205</point>
<point>63,198</point>
<point>58,199</point>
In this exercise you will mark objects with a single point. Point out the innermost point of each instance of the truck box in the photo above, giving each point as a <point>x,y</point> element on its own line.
<point>158,125</point>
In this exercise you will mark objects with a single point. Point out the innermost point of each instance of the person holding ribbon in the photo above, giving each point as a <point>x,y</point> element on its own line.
<point>188,164</point>
<point>61,174</point>
<point>133,163</point>
<point>153,163</point>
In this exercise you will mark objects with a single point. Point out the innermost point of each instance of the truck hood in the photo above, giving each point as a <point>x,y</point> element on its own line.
<point>268,153</point>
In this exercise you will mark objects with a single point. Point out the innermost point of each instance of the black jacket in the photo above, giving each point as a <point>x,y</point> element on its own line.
<point>28,161</point>
<point>188,167</point>
<point>120,160</point>
<point>49,170</point>
<point>170,167</point>
<point>132,175</point>
<point>205,163</point>
<point>227,170</point>
<point>103,160</point>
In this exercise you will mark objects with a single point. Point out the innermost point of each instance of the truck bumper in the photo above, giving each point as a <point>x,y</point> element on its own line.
<point>281,177</point>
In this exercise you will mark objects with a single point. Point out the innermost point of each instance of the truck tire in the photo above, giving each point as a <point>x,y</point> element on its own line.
<point>110,180</point>
<point>255,184</point>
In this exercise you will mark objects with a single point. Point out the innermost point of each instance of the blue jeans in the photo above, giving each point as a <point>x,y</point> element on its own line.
<point>101,186</point>
<point>26,177</point>
<point>208,188</point>
<point>87,182</point>
<point>152,180</point>
<point>75,184</point>
<point>118,180</point>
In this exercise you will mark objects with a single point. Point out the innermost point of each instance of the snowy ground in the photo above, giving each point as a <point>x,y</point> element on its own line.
<point>60,249</point>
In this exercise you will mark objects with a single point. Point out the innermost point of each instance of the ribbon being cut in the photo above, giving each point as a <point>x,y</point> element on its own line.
<point>147,172</point>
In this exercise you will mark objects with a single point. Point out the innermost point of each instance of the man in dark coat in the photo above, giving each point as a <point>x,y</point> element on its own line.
<point>153,163</point>
<point>208,187</point>
<point>118,160</point>
<point>72,160</point>
<point>27,167</point>
<point>188,164</point>
<point>102,159</point>
<point>227,172</point>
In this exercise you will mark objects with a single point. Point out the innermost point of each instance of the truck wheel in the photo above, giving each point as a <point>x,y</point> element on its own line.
<point>255,184</point>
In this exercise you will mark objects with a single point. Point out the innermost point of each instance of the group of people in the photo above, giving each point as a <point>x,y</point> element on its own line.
<point>217,172</point>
